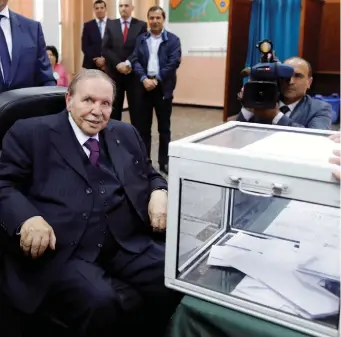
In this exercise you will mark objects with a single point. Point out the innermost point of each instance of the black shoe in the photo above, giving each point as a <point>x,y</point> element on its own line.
<point>164,168</point>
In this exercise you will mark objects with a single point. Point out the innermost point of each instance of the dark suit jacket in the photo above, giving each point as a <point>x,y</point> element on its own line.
<point>91,43</point>
<point>41,173</point>
<point>30,65</point>
<point>169,60</point>
<point>308,113</point>
<point>114,50</point>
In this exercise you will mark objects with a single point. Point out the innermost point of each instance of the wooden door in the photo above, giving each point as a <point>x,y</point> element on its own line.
<point>320,43</point>
<point>237,47</point>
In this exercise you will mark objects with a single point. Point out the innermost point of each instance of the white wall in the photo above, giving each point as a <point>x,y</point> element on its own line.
<point>199,38</point>
<point>48,13</point>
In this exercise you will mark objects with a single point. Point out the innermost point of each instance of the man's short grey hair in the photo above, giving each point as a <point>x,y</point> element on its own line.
<point>88,74</point>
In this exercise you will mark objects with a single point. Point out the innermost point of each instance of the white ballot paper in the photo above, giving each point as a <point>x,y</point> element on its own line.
<point>308,223</point>
<point>283,280</point>
<point>256,291</point>
<point>273,264</point>
<point>322,261</point>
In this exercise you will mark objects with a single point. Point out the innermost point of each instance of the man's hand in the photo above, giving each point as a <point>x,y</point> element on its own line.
<point>157,210</point>
<point>337,159</point>
<point>35,236</point>
<point>123,68</point>
<point>149,84</point>
<point>100,62</point>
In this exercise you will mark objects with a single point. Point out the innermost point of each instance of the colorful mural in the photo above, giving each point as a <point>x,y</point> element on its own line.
<point>198,10</point>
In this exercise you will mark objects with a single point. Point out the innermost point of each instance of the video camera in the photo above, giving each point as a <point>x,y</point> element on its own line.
<point>263,90</point>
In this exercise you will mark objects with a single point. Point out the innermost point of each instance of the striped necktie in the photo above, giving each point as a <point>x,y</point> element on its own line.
<point>93,146</point>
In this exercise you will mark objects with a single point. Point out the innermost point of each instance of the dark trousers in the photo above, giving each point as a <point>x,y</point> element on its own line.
<point>126,84</point>
<point>163,109</point>
<point>121,296</point>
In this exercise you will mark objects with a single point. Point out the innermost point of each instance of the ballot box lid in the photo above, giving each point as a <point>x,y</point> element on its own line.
<point>298,152</point>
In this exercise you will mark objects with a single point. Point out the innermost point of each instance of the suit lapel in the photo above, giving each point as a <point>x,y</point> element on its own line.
<point>118,28</point>
<point>115,151</point>
<point>96,29</point>
<point>18,36</point>
<point>65,142</point>
<point>298,107</point>
<point>131,30</point>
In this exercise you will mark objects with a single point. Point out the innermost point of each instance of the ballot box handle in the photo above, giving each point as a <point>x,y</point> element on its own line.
<point>250,186</point>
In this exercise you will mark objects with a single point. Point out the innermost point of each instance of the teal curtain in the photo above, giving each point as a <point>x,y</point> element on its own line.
<point>278,21</point>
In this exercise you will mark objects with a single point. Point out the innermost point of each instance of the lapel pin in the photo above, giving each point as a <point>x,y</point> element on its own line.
<point>118,141</point>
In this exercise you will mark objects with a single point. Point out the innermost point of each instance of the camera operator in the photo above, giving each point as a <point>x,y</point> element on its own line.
<point>295,107</point>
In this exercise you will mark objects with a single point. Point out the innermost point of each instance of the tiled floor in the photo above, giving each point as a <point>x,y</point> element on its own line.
<point>185,121</point>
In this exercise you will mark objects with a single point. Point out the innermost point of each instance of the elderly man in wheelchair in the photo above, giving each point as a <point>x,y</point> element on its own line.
<point>79,203</point>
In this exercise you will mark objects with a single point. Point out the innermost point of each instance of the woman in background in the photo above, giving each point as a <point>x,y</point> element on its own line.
<point>59,72</point>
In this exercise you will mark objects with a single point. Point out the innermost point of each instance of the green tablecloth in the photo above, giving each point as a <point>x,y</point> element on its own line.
<point>198,318</point>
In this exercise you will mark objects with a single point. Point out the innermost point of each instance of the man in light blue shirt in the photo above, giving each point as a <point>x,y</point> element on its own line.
<point>157,58</point>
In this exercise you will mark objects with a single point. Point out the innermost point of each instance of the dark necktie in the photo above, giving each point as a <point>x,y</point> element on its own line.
<point>92,145</point>
<point>125,31</point>
<point>4,56</point>
<point>285,109</point>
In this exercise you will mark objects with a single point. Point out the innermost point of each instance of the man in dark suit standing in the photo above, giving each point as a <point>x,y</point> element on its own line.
<point>157,58</point>
<point>295,108</point>
<point>93,32</point>
<point>79,200</point>
<point>23,59</point>
<point>118,46</point>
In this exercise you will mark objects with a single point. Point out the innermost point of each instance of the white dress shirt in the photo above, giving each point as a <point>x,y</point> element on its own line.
<point>81,136</point>
<point>6,27</point>
<point>123,24</point>
<point>248,114</point>
<point>103,25</point>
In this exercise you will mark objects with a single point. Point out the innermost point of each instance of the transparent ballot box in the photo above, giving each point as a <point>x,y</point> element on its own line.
<point>254,223</point>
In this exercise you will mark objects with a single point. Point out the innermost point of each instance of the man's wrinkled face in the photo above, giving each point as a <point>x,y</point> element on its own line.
<point>125,8</point>
<point>100,11</point>
<point>299,83</point>
<point>156,21</point>
<point>91,104</point>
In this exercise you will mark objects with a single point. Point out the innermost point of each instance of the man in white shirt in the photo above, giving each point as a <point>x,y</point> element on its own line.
<point>295,108</point>
<point>158,57</point>
<point>118,47</point>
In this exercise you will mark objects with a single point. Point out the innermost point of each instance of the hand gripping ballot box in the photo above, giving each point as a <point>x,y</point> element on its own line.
<point>254,223</point>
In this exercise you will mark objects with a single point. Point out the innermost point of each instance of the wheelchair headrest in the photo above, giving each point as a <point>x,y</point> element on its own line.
<point>29,102</point>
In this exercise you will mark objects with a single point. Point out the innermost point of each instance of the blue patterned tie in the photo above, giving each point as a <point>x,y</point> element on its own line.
<point>100,27</point>
<point>4,56</point>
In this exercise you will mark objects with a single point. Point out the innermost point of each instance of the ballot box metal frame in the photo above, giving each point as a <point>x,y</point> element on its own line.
<point>191,159</point>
